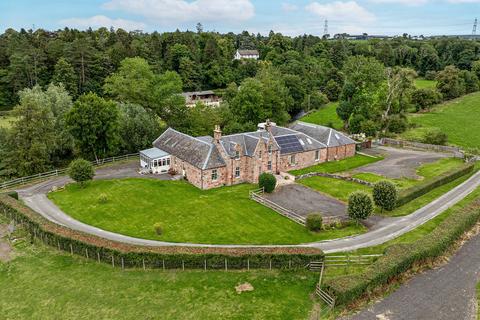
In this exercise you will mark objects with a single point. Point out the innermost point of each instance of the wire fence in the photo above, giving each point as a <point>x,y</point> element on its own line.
<point>57,172</point>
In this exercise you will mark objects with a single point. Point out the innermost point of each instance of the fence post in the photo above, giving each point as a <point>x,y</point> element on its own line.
<point>289,264</point>
<point>71,249</point>
<point>163,264</point>
<point>86,252</point>
<point>143,263</point>
<point>113,262</point>
<point>205,264</point>
<point>123,265</point>
<point>226,268</point>
<point>270,264</point>
<point>183,265</point>
<point>98,256</point>
<point>248,264</point>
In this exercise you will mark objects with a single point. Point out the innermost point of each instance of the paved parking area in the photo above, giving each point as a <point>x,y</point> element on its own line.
<point>303,200</point>
<point>399,163</point>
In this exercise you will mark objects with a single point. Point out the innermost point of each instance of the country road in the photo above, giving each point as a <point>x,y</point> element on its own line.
<point>35,197</point>
<point>440,294</point>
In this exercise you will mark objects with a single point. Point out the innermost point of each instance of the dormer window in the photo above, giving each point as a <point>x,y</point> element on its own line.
<point>260,153</point>
<point>237,154</point>
<point>270,149</point>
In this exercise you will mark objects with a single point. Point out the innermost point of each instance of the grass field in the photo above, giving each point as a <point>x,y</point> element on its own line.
<point>338,166</point>
<point>339,189</point>
<point>325,116</point>
<point>187,214</point>
<point>425,84</point>
<point>41,283</point>
<point>457,118</point>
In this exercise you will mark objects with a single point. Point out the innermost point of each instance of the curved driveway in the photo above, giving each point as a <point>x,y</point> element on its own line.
<point>35,197</point>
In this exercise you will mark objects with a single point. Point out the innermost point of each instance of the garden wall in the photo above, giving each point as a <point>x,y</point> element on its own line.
<point>167,257</point>
<point>424,146</point>
<point>334,176</point>
<point>401,257</point>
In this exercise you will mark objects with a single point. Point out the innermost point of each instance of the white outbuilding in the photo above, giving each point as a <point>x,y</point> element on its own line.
<point>154,160</point>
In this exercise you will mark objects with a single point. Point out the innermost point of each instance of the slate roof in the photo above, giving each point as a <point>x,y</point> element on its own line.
<point>196,151</point>
<point>244,52</point>
<point>328,136</point>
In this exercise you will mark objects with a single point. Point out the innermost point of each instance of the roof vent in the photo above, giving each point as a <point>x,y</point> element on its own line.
<point>309,141</point>
<point>301,142</point>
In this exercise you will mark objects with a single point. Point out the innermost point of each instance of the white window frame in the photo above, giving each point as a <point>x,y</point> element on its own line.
<point>214,175</point>
<point>292,160</point>
<point>269,165</point>
<point>317,155</point>
<point>237,172</point>
<point>270,149</point>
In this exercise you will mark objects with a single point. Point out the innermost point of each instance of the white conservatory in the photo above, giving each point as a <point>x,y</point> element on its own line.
<point>154,160</point>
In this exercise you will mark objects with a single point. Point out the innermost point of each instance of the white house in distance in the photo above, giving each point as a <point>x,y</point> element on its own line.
<point>207,97</point>
<point>247,54</point>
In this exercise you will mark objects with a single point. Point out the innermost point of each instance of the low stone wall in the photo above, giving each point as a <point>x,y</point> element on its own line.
<point>334,176</point>
<point>424,146</point>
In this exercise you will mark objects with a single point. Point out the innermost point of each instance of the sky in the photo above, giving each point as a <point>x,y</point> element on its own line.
<point>375,17</point>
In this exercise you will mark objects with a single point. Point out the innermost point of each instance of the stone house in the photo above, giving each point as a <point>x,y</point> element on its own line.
<point>246,54</point>
<point>209,162</point>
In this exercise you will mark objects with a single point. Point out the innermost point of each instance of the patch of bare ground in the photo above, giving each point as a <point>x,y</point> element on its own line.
<point>419,267</point>
<point>5,247</point>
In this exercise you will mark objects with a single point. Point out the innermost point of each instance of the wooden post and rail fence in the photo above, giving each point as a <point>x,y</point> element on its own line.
<point>257,195</point>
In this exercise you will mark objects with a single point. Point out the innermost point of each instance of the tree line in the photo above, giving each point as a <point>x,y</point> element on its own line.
<point>98,93</point>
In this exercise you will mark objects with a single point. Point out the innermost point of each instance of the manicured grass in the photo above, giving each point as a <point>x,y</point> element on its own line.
<point>457,118</point>
<point>6,121</point>
<point>425,84</point>
<point>338,166</point>
<point>42,283</point>
<point>373,178</point>
<point>337,188</point>
<point>422,230</point>
<point>222,216</point>
<point>325,116</point>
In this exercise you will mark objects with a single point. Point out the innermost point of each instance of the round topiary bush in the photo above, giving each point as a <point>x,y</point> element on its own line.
<point>360,206</point>
<point>158,228</point>
<point>267,181</point>
<point>314,222</point>
<point>385,195</point>
<point>81,171</point>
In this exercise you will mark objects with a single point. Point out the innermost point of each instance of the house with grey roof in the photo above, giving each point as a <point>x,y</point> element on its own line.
<point>246,54</point>
<point>209,162</point>
<point>207,97</point>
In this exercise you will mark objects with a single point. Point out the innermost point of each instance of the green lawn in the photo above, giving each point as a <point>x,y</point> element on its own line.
<point>325,116</point>
<point>338,166</point>
<point>223,216</point>
<point>41,283</point>
<point>425,84</point>
<point>457,118</point>
<point>337,188</point>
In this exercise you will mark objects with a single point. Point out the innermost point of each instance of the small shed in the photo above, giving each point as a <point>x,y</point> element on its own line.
<point>154,160</point>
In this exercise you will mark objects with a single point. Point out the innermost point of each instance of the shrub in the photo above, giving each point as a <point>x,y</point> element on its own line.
<point>13,194</point>
<point>158,228</point>
<point>102,199</point>
<point>360,206</point>
<point>451,82</point>
<point>385,195</point>
<point>81,171</point>
<point>426,98</point>
<point>267,181</point>
<point>435,136</point>
<point>398,123</point>
<point>430,75</point>
<point>407,195</point>
<point>314,222</point>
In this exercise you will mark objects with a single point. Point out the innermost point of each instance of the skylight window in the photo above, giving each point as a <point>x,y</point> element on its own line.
<point>301,142</point>
<point>309,141</point>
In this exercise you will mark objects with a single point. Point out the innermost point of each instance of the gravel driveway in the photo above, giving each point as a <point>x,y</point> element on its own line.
<point>303,200</point>
<point>400,163</point>
<point>440,294</point>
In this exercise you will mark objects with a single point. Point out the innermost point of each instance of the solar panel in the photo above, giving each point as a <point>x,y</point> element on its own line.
<point>289,144</point>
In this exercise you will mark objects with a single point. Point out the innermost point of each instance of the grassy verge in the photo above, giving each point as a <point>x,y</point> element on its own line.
<point>339,189</point>
<point>41,283</point>
<point>338,166</point>
<point>325,116</point>
<point>455,118</point>
<point>187,214</point>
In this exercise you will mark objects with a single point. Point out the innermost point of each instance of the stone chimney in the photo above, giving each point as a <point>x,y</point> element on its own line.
<point>217,133</point>
<point>268,126</point>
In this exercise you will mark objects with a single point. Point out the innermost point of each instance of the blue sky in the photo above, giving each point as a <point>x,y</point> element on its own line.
<point>416,17</point>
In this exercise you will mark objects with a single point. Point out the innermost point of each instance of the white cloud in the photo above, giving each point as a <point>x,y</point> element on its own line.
<point>103,21</point>
<point>165,11</point>
<point>343,11</point>
<point>288,7</point>
<point>405,2</point>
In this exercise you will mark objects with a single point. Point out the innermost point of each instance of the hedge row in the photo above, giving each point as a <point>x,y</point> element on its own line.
<point>400,257</point>
<point>420,189</point>
<point>134,256</point>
